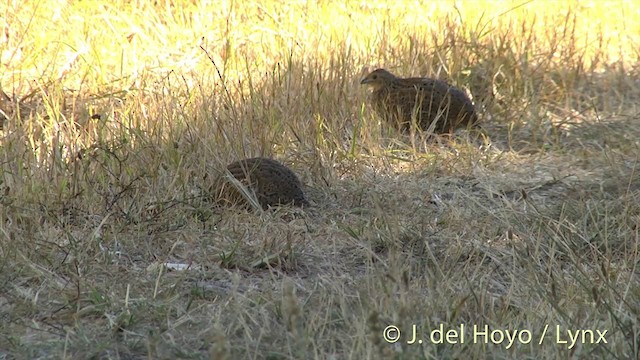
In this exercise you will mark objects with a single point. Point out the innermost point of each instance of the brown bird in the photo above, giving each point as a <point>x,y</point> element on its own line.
<point>398,100</point>
<point>272,183</point>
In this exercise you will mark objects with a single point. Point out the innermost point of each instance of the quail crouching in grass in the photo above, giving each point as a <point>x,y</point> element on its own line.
<point>433,103</point>
<point>268,181</point>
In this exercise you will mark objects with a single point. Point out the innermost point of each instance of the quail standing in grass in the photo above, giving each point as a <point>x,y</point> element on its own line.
<point>272,183</point>
<point>398,100</point>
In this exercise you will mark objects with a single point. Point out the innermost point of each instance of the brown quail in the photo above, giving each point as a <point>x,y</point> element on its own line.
<point>272,182</point>
<point>397,100</point>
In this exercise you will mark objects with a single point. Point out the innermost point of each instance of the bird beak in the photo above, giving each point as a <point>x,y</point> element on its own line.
<point>365,81</point>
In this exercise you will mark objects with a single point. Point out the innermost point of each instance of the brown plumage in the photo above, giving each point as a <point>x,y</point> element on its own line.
<point>397,100</point>
<point>271,182</point>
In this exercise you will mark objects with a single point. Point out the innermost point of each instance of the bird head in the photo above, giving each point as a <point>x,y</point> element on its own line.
<point>378,78</point>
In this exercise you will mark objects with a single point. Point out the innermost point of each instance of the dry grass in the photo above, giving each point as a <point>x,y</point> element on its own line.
<point>116,116</point>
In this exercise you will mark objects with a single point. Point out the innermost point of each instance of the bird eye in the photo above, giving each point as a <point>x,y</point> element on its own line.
<point>374,77</point>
